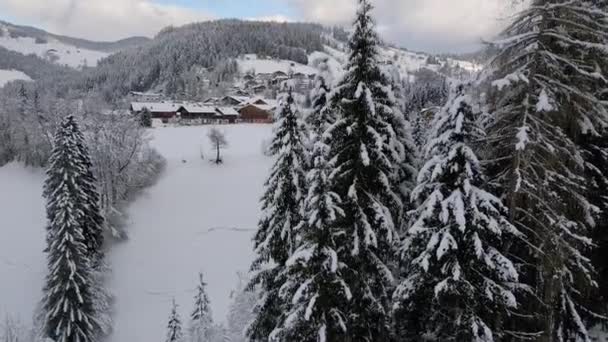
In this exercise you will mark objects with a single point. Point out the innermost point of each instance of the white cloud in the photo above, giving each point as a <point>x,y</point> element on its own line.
<point>435,25</point>
<point>100,19</point>
<point>432,25</point>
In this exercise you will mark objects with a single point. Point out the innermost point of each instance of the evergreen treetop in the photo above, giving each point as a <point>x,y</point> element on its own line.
<point>174,327</point>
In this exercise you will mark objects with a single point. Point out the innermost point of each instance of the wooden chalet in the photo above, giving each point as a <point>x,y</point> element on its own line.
<point>253,113</point>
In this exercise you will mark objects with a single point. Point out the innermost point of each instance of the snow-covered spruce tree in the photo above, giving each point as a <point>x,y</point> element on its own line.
<point>87,197</point>
<point>91,225</point>
<point>543,99</point>
<point>317,294</point>
<point>364,151</point>
<point>282,206</point>
<point>457,280</point>
<point>68,303</point>
<point>174,327</point>
<point>201,320</point>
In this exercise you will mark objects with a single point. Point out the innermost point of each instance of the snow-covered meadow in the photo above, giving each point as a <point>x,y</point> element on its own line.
<point>12,75</point>
<point>198,217</point>
<point>22,262</point>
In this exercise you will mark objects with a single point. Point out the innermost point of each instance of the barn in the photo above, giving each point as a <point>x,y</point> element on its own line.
<point>253,113</point>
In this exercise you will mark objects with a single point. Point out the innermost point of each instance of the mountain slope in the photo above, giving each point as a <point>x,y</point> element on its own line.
<point>63,50</point>
<point>109,47</point>
<point>32,66</point>
<point>175,52</point>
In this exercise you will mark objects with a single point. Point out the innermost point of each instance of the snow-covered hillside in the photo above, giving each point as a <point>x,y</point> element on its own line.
<point>407,62</point>
<point>251,62</point>
<point>12,75</point>
<point>51,50</point>
<point>412,61</point>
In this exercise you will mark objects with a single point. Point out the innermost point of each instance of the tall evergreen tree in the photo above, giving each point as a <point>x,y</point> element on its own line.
<point>282,214</point>
<point>68,300</point>
<point>87,199</point>
<point>174,327</point>
<point>364,151</point>
<point>314,286</point>
<point>543,101</point>
<point>201,320</point>
<point>457,279</point>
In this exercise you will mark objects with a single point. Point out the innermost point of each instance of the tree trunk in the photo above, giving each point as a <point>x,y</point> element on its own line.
<point>217,158</point>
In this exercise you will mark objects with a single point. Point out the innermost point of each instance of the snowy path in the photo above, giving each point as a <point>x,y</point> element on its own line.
<point>198,217</point>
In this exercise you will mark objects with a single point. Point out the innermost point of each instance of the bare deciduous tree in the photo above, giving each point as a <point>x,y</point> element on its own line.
<point>218,142</point>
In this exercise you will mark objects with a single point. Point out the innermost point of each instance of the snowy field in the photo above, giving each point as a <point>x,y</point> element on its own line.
<point>198,217</point>
<point>12,75</point>
<point>22,262</point>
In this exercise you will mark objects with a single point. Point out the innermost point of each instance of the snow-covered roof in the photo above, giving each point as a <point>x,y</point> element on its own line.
<point>198,108</point>
<point>138,93</point>
<point>268,108</point>
<point>241,99</point>
<point>227,111</point>
<point>164,106</point>
<point>262,101</point>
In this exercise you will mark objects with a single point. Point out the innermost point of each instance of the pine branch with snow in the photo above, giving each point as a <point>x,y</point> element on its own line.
<point>546,82</point>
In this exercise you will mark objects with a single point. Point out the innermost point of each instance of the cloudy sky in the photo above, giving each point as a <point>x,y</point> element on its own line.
<point>430,25</point>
